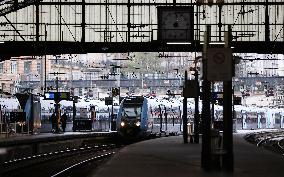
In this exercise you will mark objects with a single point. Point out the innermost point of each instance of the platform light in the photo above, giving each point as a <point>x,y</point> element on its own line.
<point>178,43</point>
<point>217,43</point>
<point>122,124</point>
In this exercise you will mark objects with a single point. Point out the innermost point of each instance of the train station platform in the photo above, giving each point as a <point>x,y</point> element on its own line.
<point>168,157</point>
<point>19,139</point>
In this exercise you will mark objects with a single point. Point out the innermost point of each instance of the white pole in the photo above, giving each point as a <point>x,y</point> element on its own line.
<point>41,75</point>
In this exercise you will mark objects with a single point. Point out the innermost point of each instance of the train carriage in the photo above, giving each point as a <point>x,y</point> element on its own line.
<point>132,117</point>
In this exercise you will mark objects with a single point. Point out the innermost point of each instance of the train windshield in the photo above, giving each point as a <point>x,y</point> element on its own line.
<point>132,112</point>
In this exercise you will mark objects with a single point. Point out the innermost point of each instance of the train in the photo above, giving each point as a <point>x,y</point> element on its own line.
<point>132,117</point>
<point>137,118</point>
<point>28,118</point>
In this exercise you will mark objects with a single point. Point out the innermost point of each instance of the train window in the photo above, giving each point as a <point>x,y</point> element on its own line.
<point>277,121</point>
<point>239,120</point>
<point>132,111</point>
<point>263,120</point>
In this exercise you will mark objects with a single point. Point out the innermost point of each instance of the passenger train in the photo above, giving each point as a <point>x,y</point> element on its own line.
<point>137,118</point>
<point>132,117</point>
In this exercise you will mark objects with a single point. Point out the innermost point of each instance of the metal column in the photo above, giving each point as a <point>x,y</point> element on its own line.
<point>83,24</point>
<point>37,21</point>
<point>184,115</point>
<point>128,21</point>
<point>205,116</point>
<point>267,30</point>
<point>228,157</point>
<point>196,108</point>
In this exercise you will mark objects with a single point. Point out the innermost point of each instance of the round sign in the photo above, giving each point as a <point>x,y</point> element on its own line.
<point>219,58</point>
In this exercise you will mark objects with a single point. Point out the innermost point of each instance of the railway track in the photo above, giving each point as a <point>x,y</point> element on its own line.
<point>75,170</point>
<point>273,141</point>
<point>59,163</point>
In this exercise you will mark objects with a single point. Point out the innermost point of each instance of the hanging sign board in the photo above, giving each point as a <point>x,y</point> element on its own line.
<point>219,64</point>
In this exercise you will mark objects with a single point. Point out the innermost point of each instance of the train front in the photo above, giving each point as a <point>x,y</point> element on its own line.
<point>130,122</point>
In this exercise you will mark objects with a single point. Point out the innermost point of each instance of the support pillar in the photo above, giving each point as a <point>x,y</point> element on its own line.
<point>206,117</point>
<point>184,115</point>
<point>267,30</point>
<point>37,21</point>
<point>83,24</point>
<point>196,109</point>
<point>228,157</point>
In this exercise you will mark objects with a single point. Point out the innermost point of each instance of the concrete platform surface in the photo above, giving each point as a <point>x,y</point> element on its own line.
<point>169,157</point>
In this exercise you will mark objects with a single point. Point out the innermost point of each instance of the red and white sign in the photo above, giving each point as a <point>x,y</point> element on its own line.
<point>219,64</point>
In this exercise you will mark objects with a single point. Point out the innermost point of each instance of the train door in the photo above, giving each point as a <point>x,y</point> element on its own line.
<point>36,113</point>
<point>143,114</point>
<point>282,121</point>
<point>150,119</point>
<point>269,117</point>
<point>239,117</point>
<point>253,120</point>
<point>261,120</point>
<point>93,116</point>
<point>277,120</point>
<point>244,115</point>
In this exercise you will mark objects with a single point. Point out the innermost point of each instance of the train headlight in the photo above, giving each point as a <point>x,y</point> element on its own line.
<point>137,124</point>
<point>122,124</point>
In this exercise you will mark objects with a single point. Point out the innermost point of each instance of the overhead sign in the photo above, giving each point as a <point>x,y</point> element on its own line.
<point>57,95</point>
<point>64,95</point>
<point>217,95</point>
<point>219,64</point>
<point>49,95</point>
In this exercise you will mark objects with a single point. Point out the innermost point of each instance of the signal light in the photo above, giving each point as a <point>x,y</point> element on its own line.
<point>115,92</point>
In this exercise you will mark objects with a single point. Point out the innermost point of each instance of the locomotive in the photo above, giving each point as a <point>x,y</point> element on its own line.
<point>132,117</point>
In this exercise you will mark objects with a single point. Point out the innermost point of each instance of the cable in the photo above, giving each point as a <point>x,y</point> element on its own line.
<point>65,24</point>
<point>114,23</point>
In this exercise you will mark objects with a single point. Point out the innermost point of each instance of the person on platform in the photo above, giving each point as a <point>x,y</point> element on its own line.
<point>63,121</point>
<point>53,122</point>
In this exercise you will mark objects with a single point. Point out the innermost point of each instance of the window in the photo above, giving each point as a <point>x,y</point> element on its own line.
<point>12,88</point>
<point>1,68</point>
<point>2,86</point>
<point>27,67</point>
<point>132,112</point>
<point>38,66</point>
<point>13,67</point>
